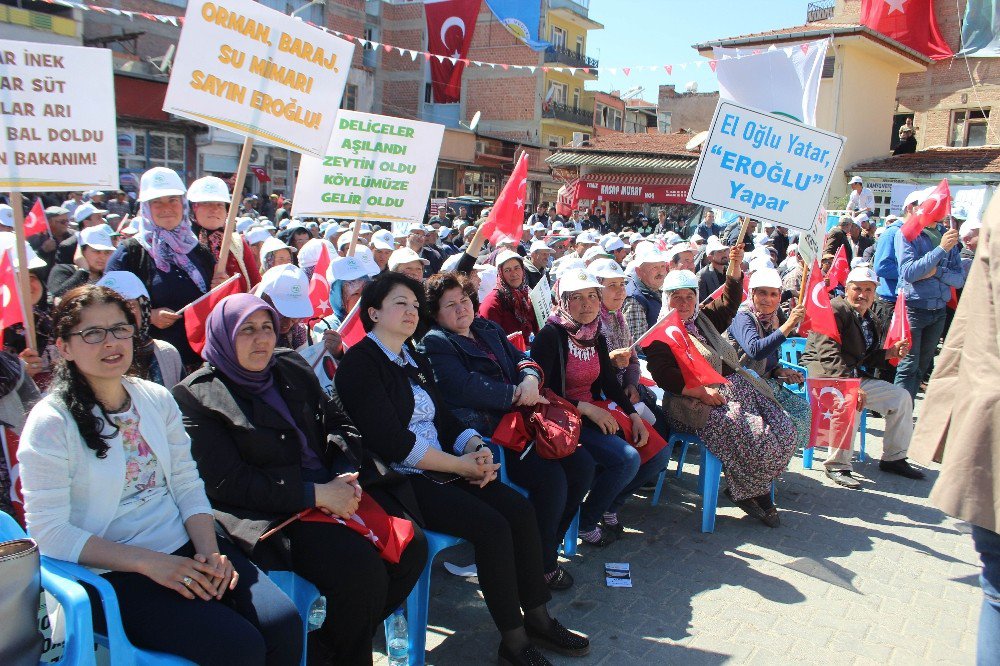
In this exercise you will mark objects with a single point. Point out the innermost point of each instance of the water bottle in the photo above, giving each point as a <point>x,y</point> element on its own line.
<point>317,614</point>
<point>398,642</point>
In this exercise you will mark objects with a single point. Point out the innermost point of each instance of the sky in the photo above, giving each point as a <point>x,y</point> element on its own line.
<point>660,32</point>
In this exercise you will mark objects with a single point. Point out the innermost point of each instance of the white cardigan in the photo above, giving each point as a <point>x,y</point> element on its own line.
<point>71,494</point>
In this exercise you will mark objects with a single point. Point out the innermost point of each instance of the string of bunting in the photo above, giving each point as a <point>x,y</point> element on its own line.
<point>413,54</point>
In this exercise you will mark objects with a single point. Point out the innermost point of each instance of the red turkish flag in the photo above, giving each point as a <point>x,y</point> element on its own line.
<point>819,314</point>
<point>696,370</point>
<point>36,222</point>
<point>319,288</point>
<point>196,313</point>
<point>935,206</point>
<point>450,24</point>
<point>899,327</point>
<point>722,288</point>
<point>351,330</point>
<point>834,404</point>
<point>12,312</point>
<point>909,22</point>
<point>837,276</point>
<point>261,174</point>
<point>953,301</point>
<point>507,215</point>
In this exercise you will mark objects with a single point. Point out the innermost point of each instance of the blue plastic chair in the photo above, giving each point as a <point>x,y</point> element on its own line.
<point>807,455</point>
<point>709,474</point>
<point>304,595</point>
<point>79,629</point>
<point>791,351</point>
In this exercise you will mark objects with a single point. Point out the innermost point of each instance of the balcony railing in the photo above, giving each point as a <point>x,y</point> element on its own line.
<point>819,10</point>
<point>576,116</point>
<point>38,21</point>
<point>565,56</point>
<point>578,6</point>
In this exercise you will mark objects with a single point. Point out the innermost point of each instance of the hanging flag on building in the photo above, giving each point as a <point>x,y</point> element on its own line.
<point>450,24</point>
<point>783,81</point>
<point>834,403</point>
<point>909,22</point>
<point>981,29</point>
<point>522,18</point>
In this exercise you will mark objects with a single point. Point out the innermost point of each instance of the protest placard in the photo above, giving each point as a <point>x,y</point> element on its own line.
<point>58,110</point>
<point>765,166</point>
<point>375,168</point>
<point>541,300</point>
<point>811,240</point>
<point>246,68</point>
<point>322,363</point>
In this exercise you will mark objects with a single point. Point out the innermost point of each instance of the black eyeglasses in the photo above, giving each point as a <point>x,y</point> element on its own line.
<point>97,335</point>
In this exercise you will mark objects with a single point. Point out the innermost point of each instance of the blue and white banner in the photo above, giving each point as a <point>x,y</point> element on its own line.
<point>522,18</point>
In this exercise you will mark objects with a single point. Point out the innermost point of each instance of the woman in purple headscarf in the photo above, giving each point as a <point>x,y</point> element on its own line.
<point>269,444</point>
<point>167,257</point>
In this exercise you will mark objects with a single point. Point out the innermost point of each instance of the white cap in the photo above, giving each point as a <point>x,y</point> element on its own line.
<point>256,235</point>
<point>646,253</point>
<point>505,256</point>
<point>856,181</point>
<point>348,268</point>
<point>271,245</point>
<point>288,288</point>
<point>7,215</point>
<point>310,251</point>
<point>861,217</point>
<point>595,252</point>
<point>538,226</point>
<point>97,237</point>
<point>160,182</point>
<point>558,225</point>
<point>676,249</point>
<point>128,285</point>
<point>606,269</point>
<point>7,242</point>
<point>588,237</point>
<point>680,280</point>
<point>365,255</point>
<point>83,211</point>
<point>569,266</point>
<point>968,227</point>
<point>404,255</point>
<point>209,188</point>
<point>695,238</point>
<point>760,263</point>
<point>345,241</point>
<point>862,274</point>
<point>540,246</point>
<point>612,242</point>
<point>577,280</point>
<point>243,223</point>
<point>914,197</point>
<point>383,240</point>
<point>715,245</point>
<point>765,277</point>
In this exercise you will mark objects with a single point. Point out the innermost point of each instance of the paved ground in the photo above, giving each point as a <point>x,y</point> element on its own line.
<point>868,577</point>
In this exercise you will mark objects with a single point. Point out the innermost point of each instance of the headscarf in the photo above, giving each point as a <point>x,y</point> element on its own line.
<point>517,301</point>
<point>768,322</point>
<point>171,246</point>
<point>583,335</point>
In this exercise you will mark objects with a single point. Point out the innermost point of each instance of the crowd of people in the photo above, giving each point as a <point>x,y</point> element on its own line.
<point>135,443</point>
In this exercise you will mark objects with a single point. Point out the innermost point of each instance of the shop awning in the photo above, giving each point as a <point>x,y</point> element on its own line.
<point>651,189</point>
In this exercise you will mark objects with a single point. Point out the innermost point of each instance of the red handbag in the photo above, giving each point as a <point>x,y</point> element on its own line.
<point>554,428</point>
<point>390,535</point>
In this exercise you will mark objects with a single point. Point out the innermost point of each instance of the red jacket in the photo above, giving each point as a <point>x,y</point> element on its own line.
<point>492,309</point>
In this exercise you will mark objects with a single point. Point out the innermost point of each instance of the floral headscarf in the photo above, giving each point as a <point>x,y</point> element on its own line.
<point>583,335</point>
<point>171,246</point>
<point>518,301</point>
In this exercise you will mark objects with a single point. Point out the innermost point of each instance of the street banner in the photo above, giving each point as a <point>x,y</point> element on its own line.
<point>541,300</point>
<point>58,108</point>
<point>375,168</point>
<point>834,405</point>
<point>765,166</point>
<point>252,70</point>
<point>783,81</point>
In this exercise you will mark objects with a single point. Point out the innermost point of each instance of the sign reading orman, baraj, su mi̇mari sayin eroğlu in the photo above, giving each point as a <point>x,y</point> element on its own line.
<point>58,109</point>
<point>376,168</point>
<point>246,68</point>
<point>765,166</point>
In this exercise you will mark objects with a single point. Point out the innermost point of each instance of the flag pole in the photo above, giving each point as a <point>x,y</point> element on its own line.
<point>227,235</point>
<point>208,293</point>
<point>805,281</point>
<point>354,238</point>
<point>733,269</point>
<point>23,280</point>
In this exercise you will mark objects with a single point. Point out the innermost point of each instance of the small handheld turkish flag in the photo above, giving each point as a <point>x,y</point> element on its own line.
<point>10,298</point>
<point>837,277</point>
<point>899,327</point>
<point>36,222</point>
<point>834,403</point>
<point>693,366</point>
<point>507,214</point>
<point>935,207</point>
<point>196,313</point>
<point>319,288</point>
<point>351,330</point>
<point>819,314</point>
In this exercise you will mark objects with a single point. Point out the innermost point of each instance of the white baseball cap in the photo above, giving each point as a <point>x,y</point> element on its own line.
<point>577,280</point>
<point>765,277</point>
<point>506,256</point>
<point>367,257</point>
<point>587,237</point>
<point>310,251</point>
<point>569,266</point>
<point>243,223</point>
<point>540,246</point>
<point>612,242</point>
<point>98,237</point>
<point>7,242</point>
<point>968,227</point>
<point>676,249</point>
<point>288,288</point>
<point>538,226</point>
<point>593,253</point>
<point>160,182</point>
<point>348,268</point>
<point>209,188</point>
<point>647,253</point>
<point>680,280</point>
<point>760,263</point>
<point>404,255</point>
<point>272,245</point>
<point>256,235</point>
<point>83,211</point>
<point>862,274</point>
<point>7,215</point>
<point>383,240</point>
<point>856,181</point>
<point>128,285</point>
<point>606,269</point>
<point>715,245</point>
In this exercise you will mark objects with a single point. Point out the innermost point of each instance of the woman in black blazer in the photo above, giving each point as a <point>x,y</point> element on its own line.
<point>389,391</point>
<point>270,443</point>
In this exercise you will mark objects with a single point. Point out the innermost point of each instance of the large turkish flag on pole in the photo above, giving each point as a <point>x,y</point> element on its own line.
<point>450,24</point>
<point>834,404</point>
<point>819,314</point>
<point>909,22</point>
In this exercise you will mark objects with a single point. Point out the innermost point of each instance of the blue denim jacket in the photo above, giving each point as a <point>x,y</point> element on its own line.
<point>918,258</point>
<point>885,266</point>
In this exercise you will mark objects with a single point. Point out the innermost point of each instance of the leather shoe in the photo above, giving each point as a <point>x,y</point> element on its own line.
<point>842,477</point>
<point>901,467</point>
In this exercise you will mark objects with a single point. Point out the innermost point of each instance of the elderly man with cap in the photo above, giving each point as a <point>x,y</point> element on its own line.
<point>46,244</point>
<point>96,246</point>
<point>858,353</point>
<point>537,263</point>
<point>680,257</point>
<point>861,200</point>
<point>383,246</point>
<point>841,235</point>
<point>616,247</point>
<point>431,252</point>
<point>713,275</point>
<point>644,302</point>
<point>120,205</point>
<point>209,199</point>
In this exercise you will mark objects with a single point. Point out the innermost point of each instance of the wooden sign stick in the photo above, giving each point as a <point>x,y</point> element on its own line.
<point>354,238</point>
<point>733,270</point>
<point>227,235</point>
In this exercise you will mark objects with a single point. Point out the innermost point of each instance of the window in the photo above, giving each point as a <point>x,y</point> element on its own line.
<point>370,57</point>
<point>558,38</point>
<point>557,93</point>
<point>576,99</point>
<point>828,64</point>
<point>898,120</point>
<point>444,183</point>
<point>579,46</point>
<point>664,123</point>
<point>350,99</point>
<point>555,141</point>
<point>480,184</point>
<point>313,15</point>
<point>969,127</point>
<point>154,149</point>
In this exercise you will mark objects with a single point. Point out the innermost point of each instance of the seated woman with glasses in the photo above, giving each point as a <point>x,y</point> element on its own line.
<point>389,391</point>
<point>109,482</point>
